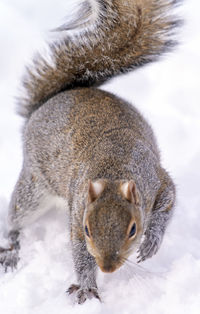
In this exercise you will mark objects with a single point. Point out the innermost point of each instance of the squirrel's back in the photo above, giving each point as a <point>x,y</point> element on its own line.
<point>87,133</point>
<point>117,36</point>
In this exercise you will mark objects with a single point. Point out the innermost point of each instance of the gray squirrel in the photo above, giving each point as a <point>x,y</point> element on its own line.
<point>90,150</point>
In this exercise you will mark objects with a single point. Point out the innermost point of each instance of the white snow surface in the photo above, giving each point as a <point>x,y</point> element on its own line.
<point>167,93</point>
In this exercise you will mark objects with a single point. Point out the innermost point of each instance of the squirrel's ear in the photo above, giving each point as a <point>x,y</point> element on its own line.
<point>129,191</point>
<point>95,189</point>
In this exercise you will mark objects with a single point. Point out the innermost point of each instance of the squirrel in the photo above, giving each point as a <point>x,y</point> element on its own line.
<point>90,150</point>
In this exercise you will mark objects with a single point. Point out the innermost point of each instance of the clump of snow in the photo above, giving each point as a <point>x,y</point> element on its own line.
<point>167,93</point>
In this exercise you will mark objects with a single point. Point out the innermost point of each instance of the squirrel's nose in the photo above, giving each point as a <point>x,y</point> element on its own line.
<point>108,268</point>
<point>109,264</point>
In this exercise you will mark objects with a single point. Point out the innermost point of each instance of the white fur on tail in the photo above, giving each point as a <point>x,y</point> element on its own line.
<point>88,13</point>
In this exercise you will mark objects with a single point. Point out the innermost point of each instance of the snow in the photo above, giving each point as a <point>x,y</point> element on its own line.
<point>167,93</point>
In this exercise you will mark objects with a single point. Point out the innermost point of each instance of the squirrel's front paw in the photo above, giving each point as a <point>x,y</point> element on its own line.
<point>149,247</point>
<point>83,294</point>
<point>9,258</point>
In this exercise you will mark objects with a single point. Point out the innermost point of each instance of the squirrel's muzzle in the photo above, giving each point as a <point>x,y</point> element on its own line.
<point>109,264</point>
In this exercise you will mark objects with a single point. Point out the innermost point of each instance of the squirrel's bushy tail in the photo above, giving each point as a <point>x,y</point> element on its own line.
<point>117,36</point>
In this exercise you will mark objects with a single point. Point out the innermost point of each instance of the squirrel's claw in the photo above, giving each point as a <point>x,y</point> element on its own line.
<point>148,248</point>
<point>83,294</point>
<point>72,289</point>
<point>94,293</point>
<point>9,258</point>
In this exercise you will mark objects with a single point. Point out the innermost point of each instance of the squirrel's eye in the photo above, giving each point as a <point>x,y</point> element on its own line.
<point>133,230</point>
<point>87,231</point>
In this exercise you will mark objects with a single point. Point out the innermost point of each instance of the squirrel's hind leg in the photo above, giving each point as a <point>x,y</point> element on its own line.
<point>9,257</point>
<point>30,200</point>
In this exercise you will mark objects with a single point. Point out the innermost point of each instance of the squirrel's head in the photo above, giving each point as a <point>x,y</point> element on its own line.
<point>113,222</point>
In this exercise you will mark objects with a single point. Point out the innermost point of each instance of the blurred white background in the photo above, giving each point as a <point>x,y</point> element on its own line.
<point>167,93</point>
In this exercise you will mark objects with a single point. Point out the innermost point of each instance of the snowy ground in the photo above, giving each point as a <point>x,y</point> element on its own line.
<point>168,95</point>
